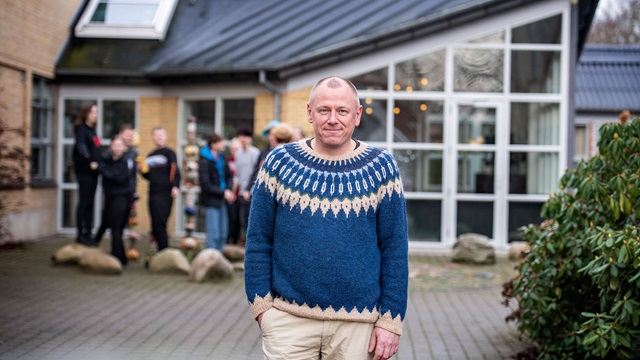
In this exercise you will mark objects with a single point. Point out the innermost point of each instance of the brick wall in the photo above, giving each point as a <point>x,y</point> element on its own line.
<point>293,110</point>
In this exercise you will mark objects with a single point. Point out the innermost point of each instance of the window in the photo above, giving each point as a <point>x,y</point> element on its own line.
<point>42,110</point>
<point>126,19</point>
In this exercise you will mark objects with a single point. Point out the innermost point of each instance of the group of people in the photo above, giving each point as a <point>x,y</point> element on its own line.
<point>226,182</point>
<point>326,261</point>
<point>118,167</point>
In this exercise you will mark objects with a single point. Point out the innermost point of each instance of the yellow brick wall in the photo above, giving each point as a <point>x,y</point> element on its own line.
<point>155,112</point>
<point>32,33</point>
<point>293,110</point>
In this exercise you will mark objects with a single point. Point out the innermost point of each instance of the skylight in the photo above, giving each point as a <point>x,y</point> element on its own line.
<point>126,19</point>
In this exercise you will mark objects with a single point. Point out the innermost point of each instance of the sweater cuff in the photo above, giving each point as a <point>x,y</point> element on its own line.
<point>391,324</point>
<point>260,305</point>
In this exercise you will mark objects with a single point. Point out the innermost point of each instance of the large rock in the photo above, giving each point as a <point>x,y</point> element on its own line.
<point>210,264</point>
<point>518,250</point>
<point>169,260</point>
<point>473,248</point>
<point>100,263</point>
<point>70,254</point>
<point>233,253</point>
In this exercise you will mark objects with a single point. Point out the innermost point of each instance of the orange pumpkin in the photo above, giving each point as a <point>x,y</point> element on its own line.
<point>132,254</point>
<point>188,243</point>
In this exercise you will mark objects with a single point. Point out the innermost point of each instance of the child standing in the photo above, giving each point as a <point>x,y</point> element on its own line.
<point>162,172</point>
<point>117,193</point>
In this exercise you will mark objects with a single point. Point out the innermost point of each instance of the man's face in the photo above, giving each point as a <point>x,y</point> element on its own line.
<point>127,136</point>
<point>334,114</point>
<point>159,137</point>
<point>245,141</point>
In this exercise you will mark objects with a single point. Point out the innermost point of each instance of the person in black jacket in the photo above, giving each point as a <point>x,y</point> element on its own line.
<point>161,169</point>
<point>86,156</point>
<point>216,182</point>
<point>127,134</point>
<point>117,193</point>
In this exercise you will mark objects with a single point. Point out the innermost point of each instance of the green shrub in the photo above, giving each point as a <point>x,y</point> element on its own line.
<point>578,289</point>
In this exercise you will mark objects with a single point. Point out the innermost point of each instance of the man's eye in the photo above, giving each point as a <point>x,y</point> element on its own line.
<point>343,112</point>
<point>323,111</point>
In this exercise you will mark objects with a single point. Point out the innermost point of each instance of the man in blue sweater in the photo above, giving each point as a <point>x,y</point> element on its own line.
<point>326,264</point>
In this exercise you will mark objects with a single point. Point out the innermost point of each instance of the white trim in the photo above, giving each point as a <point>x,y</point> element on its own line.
<point>156,30</point>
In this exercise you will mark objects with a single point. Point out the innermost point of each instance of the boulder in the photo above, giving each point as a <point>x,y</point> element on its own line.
<point>210,264</point>
<point>473,248</point>
<point>518,250</point>
<point>70,254</point>
<point>169,260</point>
<point>100,263</point>
<point>233,253</point>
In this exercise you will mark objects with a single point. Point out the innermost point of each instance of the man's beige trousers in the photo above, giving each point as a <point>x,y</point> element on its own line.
<point>285,336</point>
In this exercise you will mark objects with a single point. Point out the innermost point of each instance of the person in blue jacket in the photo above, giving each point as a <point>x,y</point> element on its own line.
<point>86,157</point>
<point>216,182</point>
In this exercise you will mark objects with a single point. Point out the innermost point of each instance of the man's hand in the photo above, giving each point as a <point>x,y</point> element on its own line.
<point>384,342</point>
<point>174,192</point>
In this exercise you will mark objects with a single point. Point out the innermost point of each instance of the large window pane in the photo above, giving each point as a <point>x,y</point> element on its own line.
<point>373,80</point>
<point>424,220</point>
<point>42,111</point>
<point>476,126</point>
<point>68,173</point>
<point>72,108</point>
<point>581,143</point>
<point>535,124</point>
<point>204,112</point>
<point>535,71</point>
<point>373,124</point>
<point>478,70</point>
<point>475,217</point>
<point>418,121</point>
<point>238,113</point>
<point>116,113</point>
<point>69,202</point>
<point>533,172</point>
<point>424,73</point>
<point>421,170</point>
<point>546,31</point>
<point>141,13</point>
<point>522,214</point>
<point>475,172</point>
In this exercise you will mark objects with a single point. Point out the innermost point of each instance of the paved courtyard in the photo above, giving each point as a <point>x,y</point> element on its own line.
<point>60,312</point>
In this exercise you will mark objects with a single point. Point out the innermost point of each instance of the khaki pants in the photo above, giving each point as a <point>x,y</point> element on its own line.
<point>285,336</point>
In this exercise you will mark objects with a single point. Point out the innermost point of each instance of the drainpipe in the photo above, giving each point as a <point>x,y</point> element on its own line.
<point>276,94</point>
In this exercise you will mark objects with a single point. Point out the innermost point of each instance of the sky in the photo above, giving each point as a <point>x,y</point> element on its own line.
<point>610,5</point>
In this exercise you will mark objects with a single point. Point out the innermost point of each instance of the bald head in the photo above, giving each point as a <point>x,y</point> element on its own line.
<point>334,82</point>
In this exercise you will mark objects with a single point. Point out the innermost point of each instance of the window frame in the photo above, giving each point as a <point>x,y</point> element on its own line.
<point>44,175</point>
<point>157,30</point>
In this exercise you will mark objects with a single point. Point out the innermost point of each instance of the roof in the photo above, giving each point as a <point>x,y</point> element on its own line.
<point>233,39</point>
<point>608,78</point>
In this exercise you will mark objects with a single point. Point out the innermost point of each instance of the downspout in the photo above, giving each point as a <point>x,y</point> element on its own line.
<point>276,94</point>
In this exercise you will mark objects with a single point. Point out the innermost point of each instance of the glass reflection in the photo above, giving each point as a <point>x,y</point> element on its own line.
<point>115,113</point>
<point>546,31</point>
<point>373,80</point>
<point>533,172</point>
<point>424,219</point>
<point>204,112</point>
<point>478,70</point>
<point>535,124</point>
<point>421,169</point>
<point>522,214</point>
<point>424,73</point>
<point>72,108</point>
<point>535,71</point>
<point>238,113</point>
<point>476,126</point>
<point>373,124</point>
<point>418,121</point>
<point>475,172</point>
<point>69,201</point>
<point>475,217</point>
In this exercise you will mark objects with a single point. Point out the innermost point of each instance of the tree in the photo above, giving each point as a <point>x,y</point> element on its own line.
<point>622,27</point>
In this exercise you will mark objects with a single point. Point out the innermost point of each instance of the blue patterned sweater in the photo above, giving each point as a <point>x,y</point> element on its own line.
<point>327,237</point>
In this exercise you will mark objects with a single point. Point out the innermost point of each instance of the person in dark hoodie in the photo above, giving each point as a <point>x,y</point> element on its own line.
<point>117,193</point>
<point>86,156</point>
<point>216,182</point>
<point>161,169</point>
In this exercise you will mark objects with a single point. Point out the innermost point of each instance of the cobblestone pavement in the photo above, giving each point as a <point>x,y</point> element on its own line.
<point>60,312</point>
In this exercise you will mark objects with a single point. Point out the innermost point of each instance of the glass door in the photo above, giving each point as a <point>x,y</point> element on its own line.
<point>476,191</point>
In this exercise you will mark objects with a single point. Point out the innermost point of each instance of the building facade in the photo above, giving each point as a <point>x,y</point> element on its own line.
<point>32,34</point>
